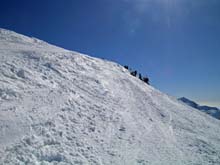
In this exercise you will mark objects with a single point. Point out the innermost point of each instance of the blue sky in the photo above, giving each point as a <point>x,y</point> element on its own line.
<point>175,42</point>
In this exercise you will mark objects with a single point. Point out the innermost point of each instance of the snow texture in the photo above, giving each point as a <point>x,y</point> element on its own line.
<point>59,107</point>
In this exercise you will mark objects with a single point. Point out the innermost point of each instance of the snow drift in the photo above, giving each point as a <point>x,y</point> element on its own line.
<point>62,107</point>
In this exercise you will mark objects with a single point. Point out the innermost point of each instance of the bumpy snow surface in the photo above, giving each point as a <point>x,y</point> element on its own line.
<point>61,107</point>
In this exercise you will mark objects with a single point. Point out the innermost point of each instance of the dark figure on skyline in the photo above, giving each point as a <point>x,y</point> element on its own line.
<point>134,73</point>
<point>126,67</point>
<point>146,80</point>
<point>140,76</point>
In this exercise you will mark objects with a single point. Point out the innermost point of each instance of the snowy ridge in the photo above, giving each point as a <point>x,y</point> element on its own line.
<point>212,111</point>
<point>62,107</point>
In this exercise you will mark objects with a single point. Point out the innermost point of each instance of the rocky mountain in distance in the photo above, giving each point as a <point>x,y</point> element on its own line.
<point>213,111</point>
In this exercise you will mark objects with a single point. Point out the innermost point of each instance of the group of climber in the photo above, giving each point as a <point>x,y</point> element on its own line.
<point>135,74</point>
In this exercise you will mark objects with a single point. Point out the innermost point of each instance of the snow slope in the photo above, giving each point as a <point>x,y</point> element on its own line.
<point>212,111</point>
<point>61,107</point>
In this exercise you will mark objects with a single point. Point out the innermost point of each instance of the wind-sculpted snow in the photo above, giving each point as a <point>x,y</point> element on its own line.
<point>59,107</point>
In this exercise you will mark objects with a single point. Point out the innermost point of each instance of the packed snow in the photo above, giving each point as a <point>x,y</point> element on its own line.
<point>59,107</point>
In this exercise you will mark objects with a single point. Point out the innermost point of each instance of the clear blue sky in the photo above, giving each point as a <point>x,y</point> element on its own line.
<point>175,42</point>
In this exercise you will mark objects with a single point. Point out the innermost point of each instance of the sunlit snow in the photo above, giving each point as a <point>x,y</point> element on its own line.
<point>61,107</point>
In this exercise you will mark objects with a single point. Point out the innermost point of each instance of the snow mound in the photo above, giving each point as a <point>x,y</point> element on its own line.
<point>59,107</point>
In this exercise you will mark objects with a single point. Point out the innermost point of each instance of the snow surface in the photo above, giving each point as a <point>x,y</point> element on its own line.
<point>59,107</point>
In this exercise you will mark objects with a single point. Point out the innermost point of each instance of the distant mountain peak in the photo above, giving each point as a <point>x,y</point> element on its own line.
<point>213,111</point>
<point>189,102</point>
